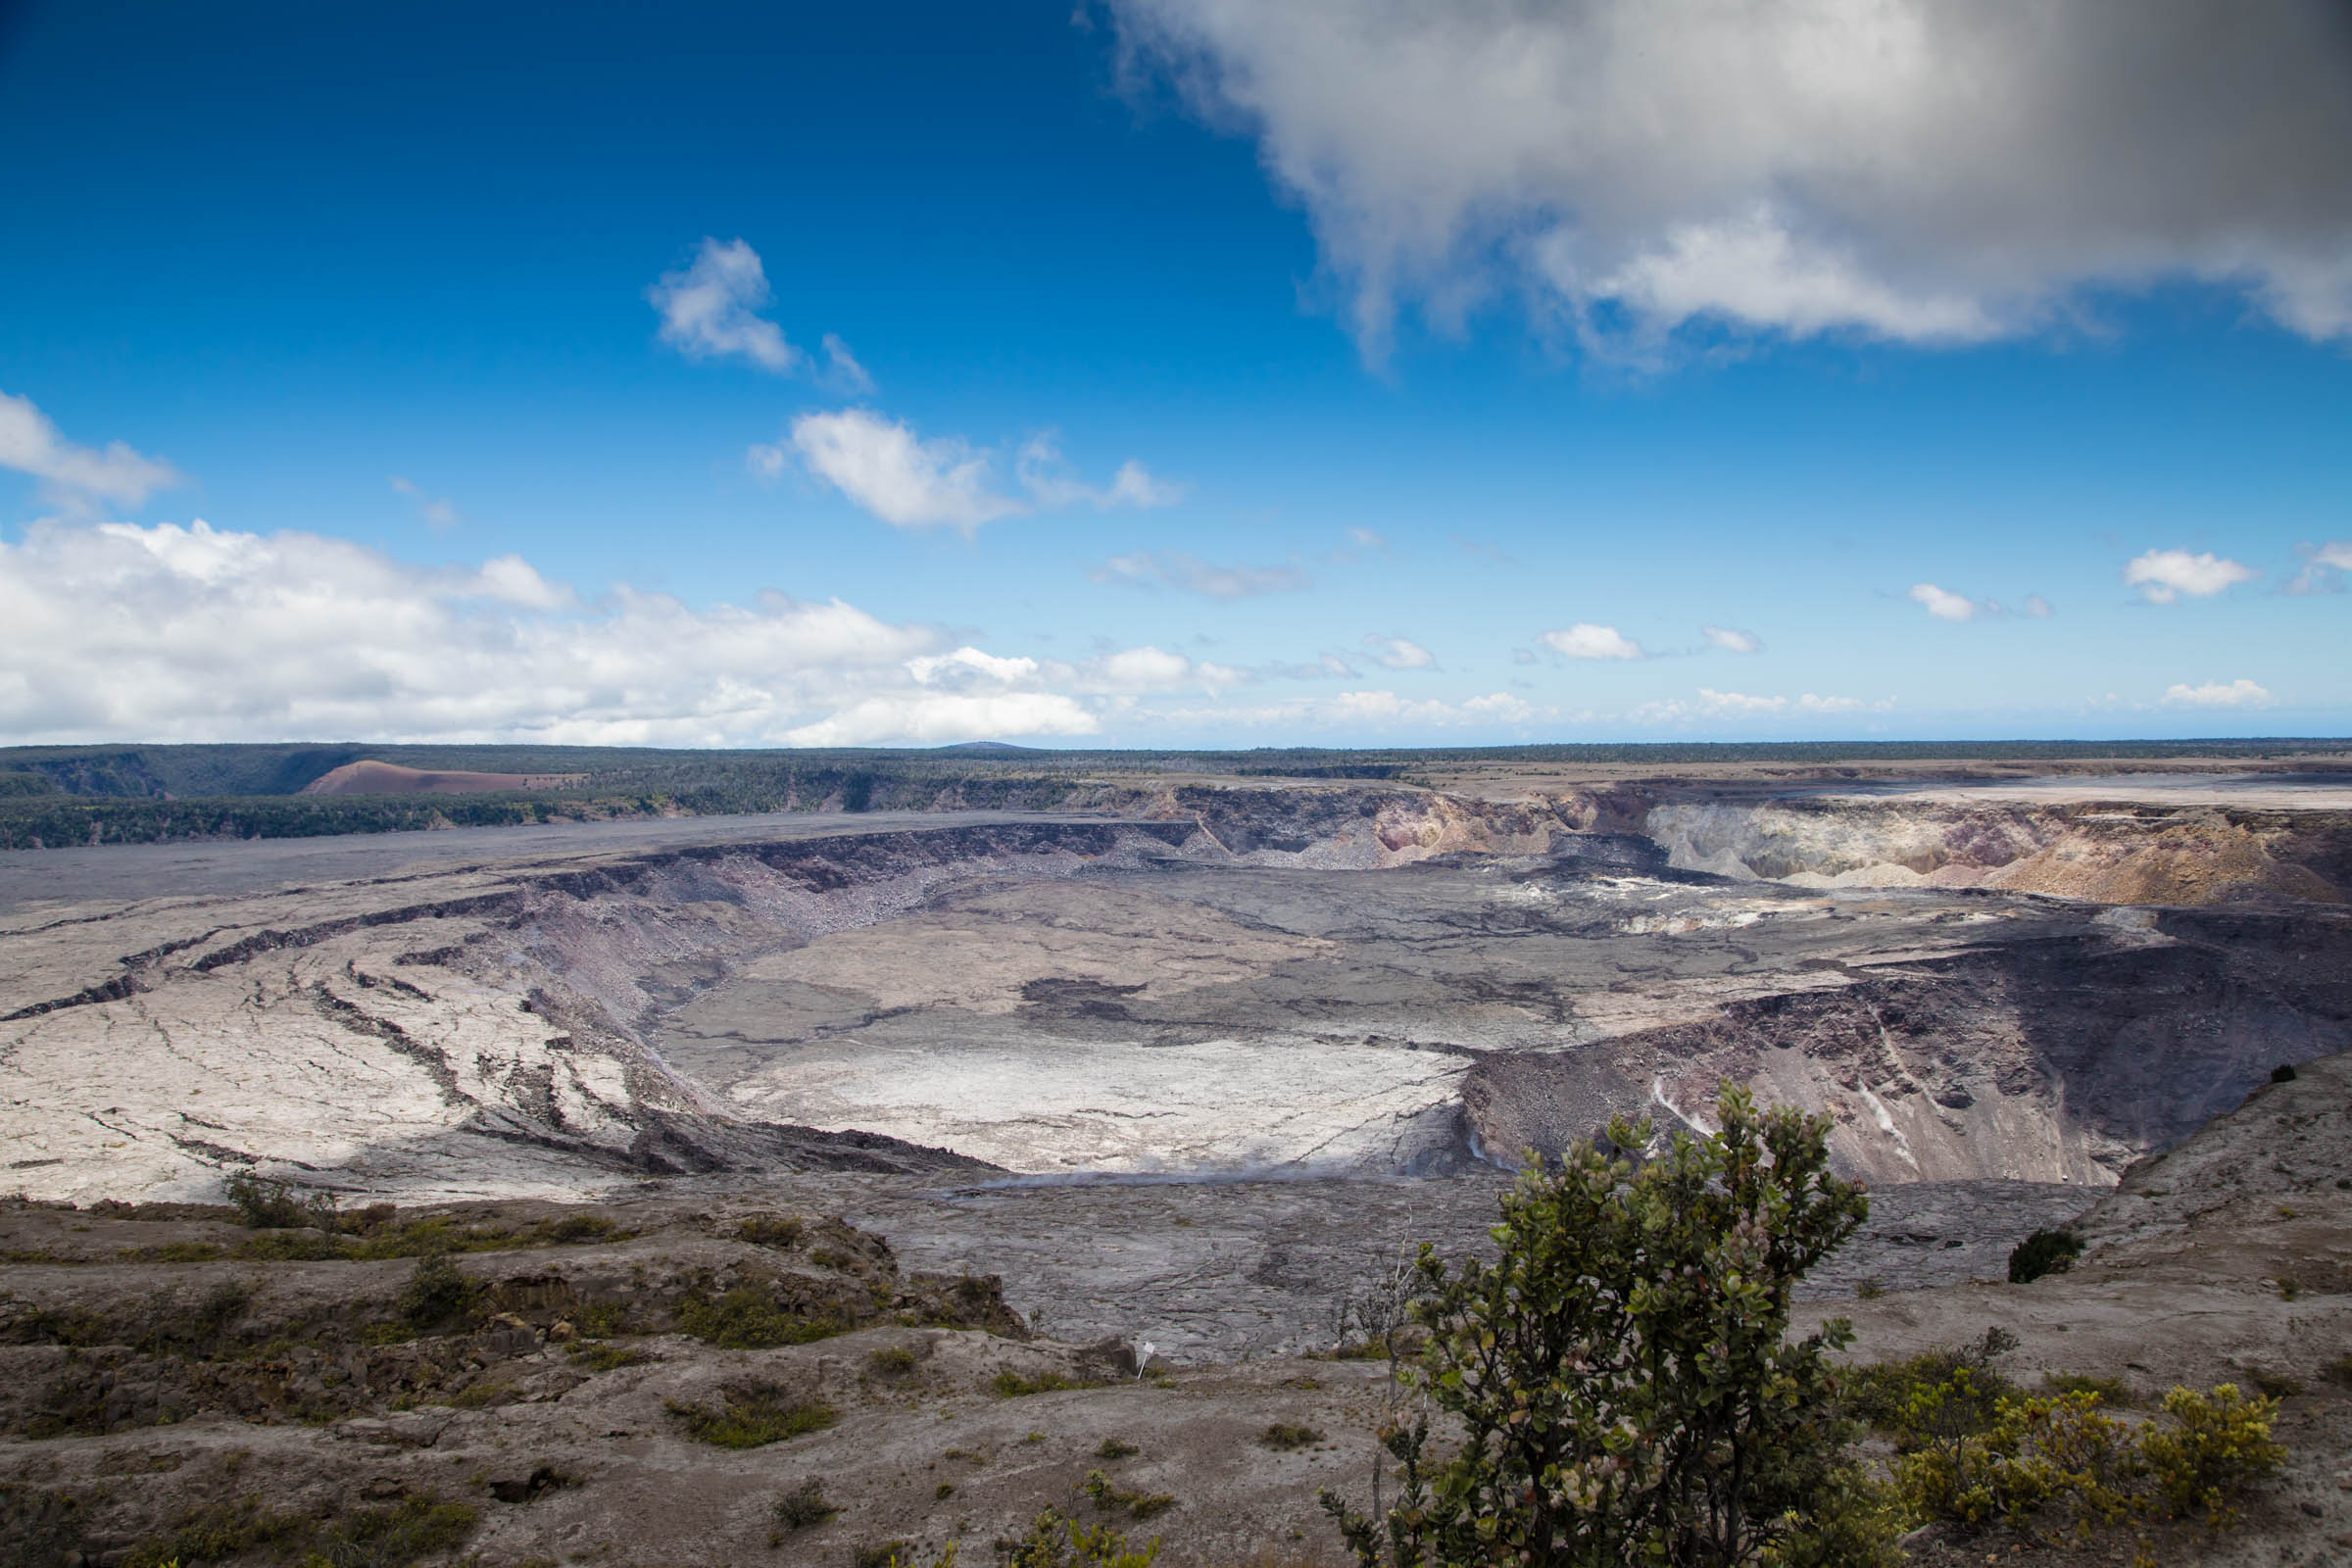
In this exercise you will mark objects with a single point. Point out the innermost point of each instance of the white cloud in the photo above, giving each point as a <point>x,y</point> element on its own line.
<point>2214,694</point>
<point>77,478</point>
<point>1902,169</point>
<point>2038,608</point>
<point>843,373</point>
<point>1367,539</point>
<point>116,631</point>
<point>1586,640</point>
<point>1733,641</point>
<point>2324,566</point>
<point>1944,604</point>
<point>2164,576</point>
<point>1398,652</point>
<point>883,466</point>
<point>1173,568</point>
<point>909,482</point>
<point>710,309</point>
<point>929,719</point>
<point>1047,477</point>
<point>1712,704</point>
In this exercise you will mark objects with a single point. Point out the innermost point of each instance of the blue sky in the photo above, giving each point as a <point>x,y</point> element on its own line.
<point>1177,372</point>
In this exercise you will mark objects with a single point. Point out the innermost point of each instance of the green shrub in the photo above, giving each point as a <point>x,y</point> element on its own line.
<point>754,1415</point>
<point>1055,1541</point>
<point>2111,1391</point>
<point>2043,1253</point>
<point>1881,1395</point>
<point>1113,1448</point>
<point>217,1531</point>
<point>606,1357</point>
<point>1010,1385</point>
<point>1285,1436</point>
<point>601,1320</point>
<point>439,1294</point>
<point>2063,1456</point>
<point>2036,1454</point>
<point>1622,1375</point>
<point>397,1535</point>
<point>748,1318</point>
<point>770,1230</point>
<point>267,1204</point>
<point>2213,1446</point>
<point>892,1360</point>
<point>1113,1499</point>
<point>804,1506</point>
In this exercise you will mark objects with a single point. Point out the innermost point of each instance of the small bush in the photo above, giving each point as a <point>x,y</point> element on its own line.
<point>1881,1393</point>
<point>1113,1448</point>
<point>754,1415</point>
<point>804,1506</point>
<point>439,1294</point>
<point>1285,1436</point>
<point>1055,1541</point>
<point>2283,1073</point>
<point>2109,1391</point>
<point>2217,1442</point>
<point>1111,1498</point>
<point>601,1320</point>
<point>606,1357</point>
<point>2037,1454</point>
<point>2043,1253</point>
<point>770,1230</point>
<point>892,1360</point>
<point>2338,1370</point>
<point>748,1318</point>
<point>1010,1385</point>
<point>215,1531</point>
<point>884,1554</point>
<point>1869,1288</point>
<point>397,1535</point>
<point>267,1204</point>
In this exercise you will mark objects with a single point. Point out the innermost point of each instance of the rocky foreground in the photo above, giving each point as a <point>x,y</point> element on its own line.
<point>664,1380</point>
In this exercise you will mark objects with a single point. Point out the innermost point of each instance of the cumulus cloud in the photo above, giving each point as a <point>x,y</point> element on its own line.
<point>2214,694</point>
<point>1902,169</point>
<point>1733,641</point>
<point>198,633</point>
<point>1944,605</point>
<point>1586,640</point>
<point>909,482</point>
<point>76,479</point>
<point>1173,568</point>
<point>1398,652</point>
<point>2164,576</point>
<point>710,309</point>
<point>886,469</point>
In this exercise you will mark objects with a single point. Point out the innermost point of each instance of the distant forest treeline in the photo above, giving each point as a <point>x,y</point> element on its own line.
<point>64,795</point>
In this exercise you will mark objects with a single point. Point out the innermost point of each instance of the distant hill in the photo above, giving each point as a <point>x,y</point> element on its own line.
<point>991,748</point>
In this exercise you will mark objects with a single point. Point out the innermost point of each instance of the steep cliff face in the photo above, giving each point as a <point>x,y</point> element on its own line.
<point>2064,1058</point>
<point>2103,853</point>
